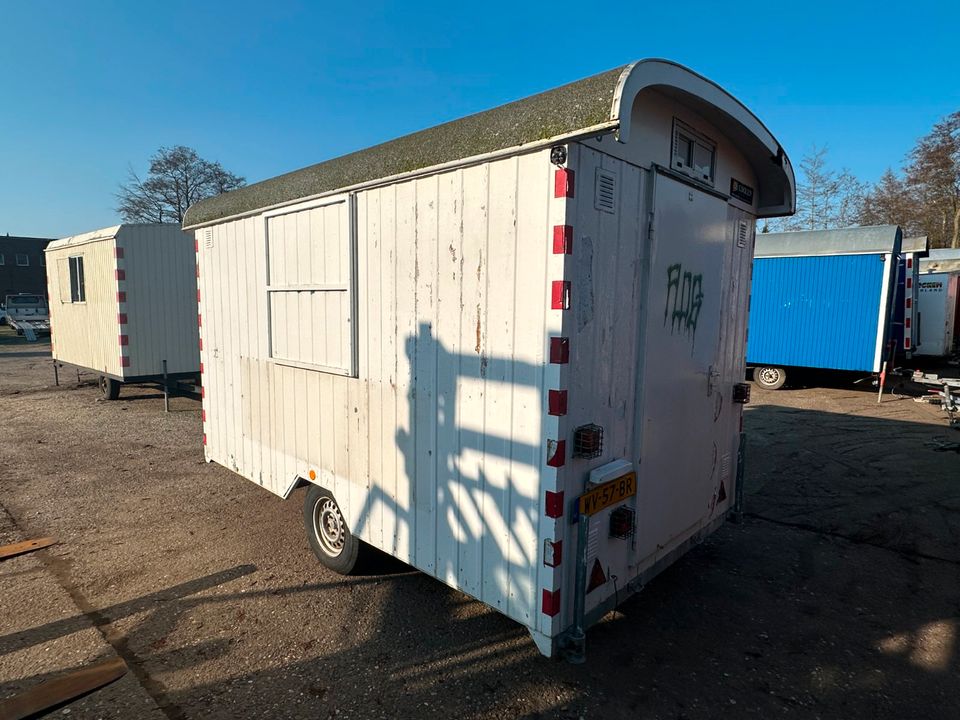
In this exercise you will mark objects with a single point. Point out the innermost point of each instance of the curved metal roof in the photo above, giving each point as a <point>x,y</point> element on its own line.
<point>846,241</point>
<point>598,104</point>
<point>107,233</point>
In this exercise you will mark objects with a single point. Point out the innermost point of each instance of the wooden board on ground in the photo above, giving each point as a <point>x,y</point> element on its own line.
<point>59,690</point>
<point>9,551</point>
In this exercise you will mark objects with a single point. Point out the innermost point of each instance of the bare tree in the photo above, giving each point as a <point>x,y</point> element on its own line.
<point>825,198</point>
<point>933,173</point>
<point>891,201</point>
<point>178,177</point>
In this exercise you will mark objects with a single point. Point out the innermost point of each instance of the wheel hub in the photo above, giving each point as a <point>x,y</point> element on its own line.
<point>329,526</point>
<point>769,376</point>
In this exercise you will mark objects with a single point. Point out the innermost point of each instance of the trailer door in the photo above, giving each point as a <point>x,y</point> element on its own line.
<point>686,459</point>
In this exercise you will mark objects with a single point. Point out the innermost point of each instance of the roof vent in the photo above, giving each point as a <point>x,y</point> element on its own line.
<point>605,193</point>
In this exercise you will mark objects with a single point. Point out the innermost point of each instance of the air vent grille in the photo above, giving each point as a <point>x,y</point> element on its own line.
<point>208,237</point>
<point>605,198</point>
<point>743,231</point>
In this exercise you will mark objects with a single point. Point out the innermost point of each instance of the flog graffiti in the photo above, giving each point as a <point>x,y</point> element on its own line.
<point>684,300</point>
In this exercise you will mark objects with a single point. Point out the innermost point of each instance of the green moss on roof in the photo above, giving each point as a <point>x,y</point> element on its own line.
<point>565,109</point>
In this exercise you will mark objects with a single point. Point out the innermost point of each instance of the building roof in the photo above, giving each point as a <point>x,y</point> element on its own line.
<point>23,239</point>
<point>599,104</point>
<point>846,241</point>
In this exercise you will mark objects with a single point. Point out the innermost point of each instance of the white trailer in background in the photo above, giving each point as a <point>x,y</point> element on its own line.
<point>938,301</point>
<point>28,314</point>
<point>123,304</point>
<point>508,350</point>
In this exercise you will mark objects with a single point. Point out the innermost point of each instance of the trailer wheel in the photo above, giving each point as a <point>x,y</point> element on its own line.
<point>330,538</point>
<point>769,378</point>
<point>109,387</point>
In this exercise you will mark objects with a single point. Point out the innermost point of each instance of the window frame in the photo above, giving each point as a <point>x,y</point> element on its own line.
<point>695,138</point>
<point>76,261</point>
<point>349,199</point>
<point>26,259</point>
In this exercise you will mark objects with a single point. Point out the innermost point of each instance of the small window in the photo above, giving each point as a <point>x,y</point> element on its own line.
<point>78,291</point>
<point>23,260</point>
<point>683,151</point>
<point>43,259</point>
<point>1,259</point>
<point>693,154</point>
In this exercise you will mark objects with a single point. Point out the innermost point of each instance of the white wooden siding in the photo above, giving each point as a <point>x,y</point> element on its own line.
<point>607,275</point>
<point>435,451</point>
<point>86,334</point>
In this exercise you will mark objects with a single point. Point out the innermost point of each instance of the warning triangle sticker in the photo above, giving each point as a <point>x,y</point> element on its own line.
<point>597,578</point>
<point>722,495</point>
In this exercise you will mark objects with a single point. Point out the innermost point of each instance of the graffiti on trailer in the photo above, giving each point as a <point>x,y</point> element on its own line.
<point>684,300</point>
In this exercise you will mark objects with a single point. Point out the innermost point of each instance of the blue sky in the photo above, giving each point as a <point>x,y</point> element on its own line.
<point>90,88</point>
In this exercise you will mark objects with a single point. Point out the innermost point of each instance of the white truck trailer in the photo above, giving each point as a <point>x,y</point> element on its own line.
<point>123,305</point>
<point>938,301</point>
<point>508,350</point>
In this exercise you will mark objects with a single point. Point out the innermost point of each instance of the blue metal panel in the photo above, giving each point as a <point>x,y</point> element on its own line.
<point>818,311</point>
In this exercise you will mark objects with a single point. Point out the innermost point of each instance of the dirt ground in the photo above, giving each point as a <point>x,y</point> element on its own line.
<point>838,597</point>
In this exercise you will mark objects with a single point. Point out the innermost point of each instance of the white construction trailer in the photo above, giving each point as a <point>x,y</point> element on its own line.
<point>123,304</point>
<point>508,350</point>
<point>938,301</point>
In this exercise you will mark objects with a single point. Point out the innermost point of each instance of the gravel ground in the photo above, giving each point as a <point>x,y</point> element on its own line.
<point>836,598</point>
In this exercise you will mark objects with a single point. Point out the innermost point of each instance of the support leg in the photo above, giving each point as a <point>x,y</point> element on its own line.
<point>166,389</point>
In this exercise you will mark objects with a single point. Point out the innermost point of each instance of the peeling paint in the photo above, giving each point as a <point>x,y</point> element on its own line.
<point>477,348</point>
<point>583,282</point>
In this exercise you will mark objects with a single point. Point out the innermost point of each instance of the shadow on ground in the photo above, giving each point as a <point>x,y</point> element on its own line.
<point>836,598</point>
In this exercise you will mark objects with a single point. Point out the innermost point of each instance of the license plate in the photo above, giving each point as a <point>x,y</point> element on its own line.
<point>607,494</point>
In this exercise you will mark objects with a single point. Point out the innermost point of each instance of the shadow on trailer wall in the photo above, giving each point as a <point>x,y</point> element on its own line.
<point>469,486</point>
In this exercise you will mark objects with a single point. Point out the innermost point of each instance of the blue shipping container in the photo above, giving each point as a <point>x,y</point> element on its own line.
<point>823,299</point>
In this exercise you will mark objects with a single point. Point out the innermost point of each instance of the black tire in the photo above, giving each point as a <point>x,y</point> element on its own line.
<point>327,531</point>
<point>109,387</point>
<point>769,377</point>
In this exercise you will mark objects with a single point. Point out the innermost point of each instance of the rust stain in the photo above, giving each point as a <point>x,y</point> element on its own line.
<point>477,348</point>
